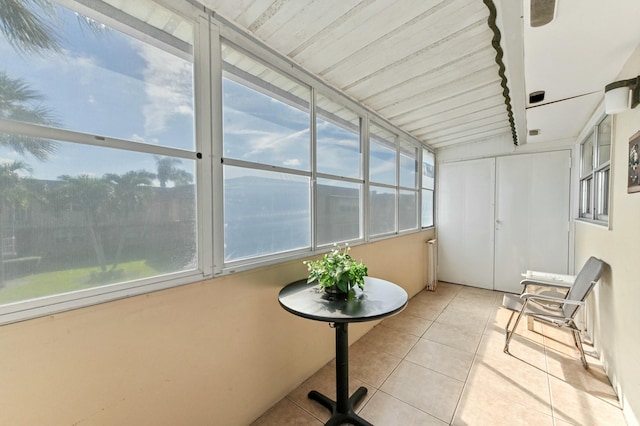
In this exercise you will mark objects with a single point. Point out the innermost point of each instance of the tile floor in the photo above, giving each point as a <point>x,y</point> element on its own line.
<point>440,362</point>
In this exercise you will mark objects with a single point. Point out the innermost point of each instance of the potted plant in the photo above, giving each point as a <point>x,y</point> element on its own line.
<point>337,271</point>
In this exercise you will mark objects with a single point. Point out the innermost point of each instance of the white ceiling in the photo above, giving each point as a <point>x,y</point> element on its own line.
<point>428,66</point>
<point>573,58</point>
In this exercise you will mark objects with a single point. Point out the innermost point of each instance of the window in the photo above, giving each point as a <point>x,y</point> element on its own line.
<point>97,170</point>
<point>339,171</point>
<point>383,178</point>
<point>428,181</point>
<point>408,194</point>
<point>266,122</point>
<point>595,156</point>
<point>133,172</point>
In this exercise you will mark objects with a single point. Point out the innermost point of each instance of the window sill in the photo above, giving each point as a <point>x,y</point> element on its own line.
<point>599,223</point>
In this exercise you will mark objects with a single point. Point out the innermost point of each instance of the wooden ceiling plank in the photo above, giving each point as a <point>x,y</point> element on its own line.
<point>436,91</point>
<point>424,34</point>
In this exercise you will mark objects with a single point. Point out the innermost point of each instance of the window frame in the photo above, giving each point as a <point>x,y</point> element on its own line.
<point>35,307</point>
<point>209,31</point>
<point>594,184</point>
<point>425,188</point>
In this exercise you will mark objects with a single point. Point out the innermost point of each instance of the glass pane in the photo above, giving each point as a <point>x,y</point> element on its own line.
<point>95,79</point>
<point>427,208</point>
<point>92,216</point>
<point>338,211</point>
<point>338,140</point>
<point>428,169</point>
<point>265,212</point>
<point>408,211</point>
<point>602,197</point>
<point>382,210</point>
<point>585,198</point>
<point>382,155</point>
<point>587,156</point>
<point>604,140</point>
<point>265,115</point>
<point>408,165</point>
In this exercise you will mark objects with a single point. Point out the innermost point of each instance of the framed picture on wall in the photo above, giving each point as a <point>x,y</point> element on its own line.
<point>633,183</point>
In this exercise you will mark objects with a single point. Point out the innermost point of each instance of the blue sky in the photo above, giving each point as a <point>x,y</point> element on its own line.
<point>109,84</point>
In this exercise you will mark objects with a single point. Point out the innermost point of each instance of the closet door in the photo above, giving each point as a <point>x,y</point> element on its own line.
<point>466,222</point>
<point>532,216</point>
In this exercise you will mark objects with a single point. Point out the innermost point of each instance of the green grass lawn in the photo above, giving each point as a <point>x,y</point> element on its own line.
<point>48,283</point>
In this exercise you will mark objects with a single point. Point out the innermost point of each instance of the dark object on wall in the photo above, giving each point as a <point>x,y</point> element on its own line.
<point>633,181</point>
<point>542,12</point>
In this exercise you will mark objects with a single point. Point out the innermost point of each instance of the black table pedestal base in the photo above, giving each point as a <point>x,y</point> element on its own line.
<point>342,408</point>
<point>348,416</point>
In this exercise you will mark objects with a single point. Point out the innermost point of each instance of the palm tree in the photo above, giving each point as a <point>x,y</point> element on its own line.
<point>130,191</point>
<point>25,29</point>
<point>92,196</point>
<point>21,103</point>
<point>12,194</point>
<point>168,172</point>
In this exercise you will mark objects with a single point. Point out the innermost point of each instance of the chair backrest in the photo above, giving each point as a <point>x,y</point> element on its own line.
<point>585,280</point>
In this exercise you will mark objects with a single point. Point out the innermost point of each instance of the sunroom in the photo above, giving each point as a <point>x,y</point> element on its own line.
<point>166,166</point>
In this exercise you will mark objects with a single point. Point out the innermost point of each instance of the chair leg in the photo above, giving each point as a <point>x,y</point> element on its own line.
<point>578,342</point>
<point>509,334</point>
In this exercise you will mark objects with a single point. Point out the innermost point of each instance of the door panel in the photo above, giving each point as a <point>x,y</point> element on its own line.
<point>465,222</point>
<point>532,216</point>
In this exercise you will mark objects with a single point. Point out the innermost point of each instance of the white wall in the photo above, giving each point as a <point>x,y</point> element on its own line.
<point>215,352</point>
<point>615,308</point>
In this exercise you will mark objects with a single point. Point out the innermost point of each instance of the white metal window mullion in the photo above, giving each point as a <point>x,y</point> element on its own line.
<point>217,177</point>
<point>419,184</point>
<point>365,140</point>
<point>396,141</point>
<point>204,136</point>
<point>314,168</point>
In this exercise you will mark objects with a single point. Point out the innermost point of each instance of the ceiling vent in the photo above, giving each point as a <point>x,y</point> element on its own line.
<point>542,12</point>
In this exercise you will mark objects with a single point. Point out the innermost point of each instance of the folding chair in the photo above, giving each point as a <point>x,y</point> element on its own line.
<point>558,311</point>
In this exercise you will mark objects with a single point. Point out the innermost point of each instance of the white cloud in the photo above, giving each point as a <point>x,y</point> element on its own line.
<point>168,87</point>
<point>293,162</point>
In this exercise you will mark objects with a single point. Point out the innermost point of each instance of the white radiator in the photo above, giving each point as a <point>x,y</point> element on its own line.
<point>432,264</point>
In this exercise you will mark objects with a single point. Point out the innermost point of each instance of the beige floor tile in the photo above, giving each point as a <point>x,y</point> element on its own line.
<point>383,409</point>
<point>476,296</point>
<point>324,381</point>
<point>454,336</point>
<point>511,380</point>
<point>479,408</point>
<point>520,347</point>
<point>408,323</point>
<point>560,340</point>
<point>581,407</point>
<point>389,340</point>
<point>369,365</point>
<point>449,361</point>
<point>424,307</point>
<point>445,287</point>
<point>286,413</point>
<point>559,422</point>
<point>593,380</point>
<point>420,381</point>
<point>478,306</point>
<point>427,390</point>
<point>474,318</point>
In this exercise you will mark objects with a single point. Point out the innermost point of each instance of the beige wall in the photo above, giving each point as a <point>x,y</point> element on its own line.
<point>614,310</point>
<point>215,352</point>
